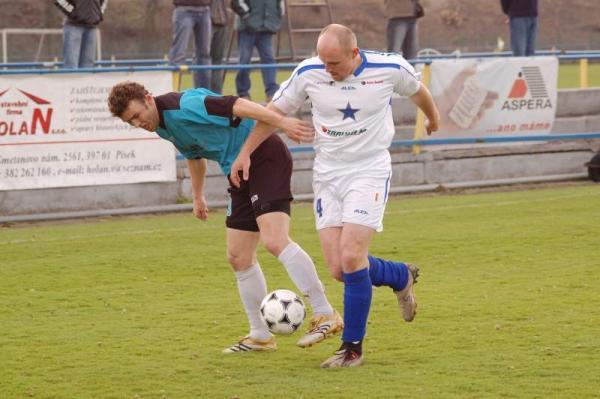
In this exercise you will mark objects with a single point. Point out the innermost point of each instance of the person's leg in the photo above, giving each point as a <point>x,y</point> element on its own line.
<point>245,48</point>
<point>242,240</point>
<point>264,45</point>
<point>410,46</point>
<point>72,36</point>
<point>274,230</point>
<point>202,35</point>
<point>330,245</point>
<point>269,183</point>
<point>88,48</point>
<point>531,36</point>
<point>353,248</point>
<point>182,30</point>
<point>218,43</point>
<point>396,31</point>
<point>398,276</point>
<point>518,36</point>
<point>241,253</point>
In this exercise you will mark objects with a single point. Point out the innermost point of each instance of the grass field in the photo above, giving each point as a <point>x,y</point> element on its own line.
<point>568,78</point>
<point>140,307</point>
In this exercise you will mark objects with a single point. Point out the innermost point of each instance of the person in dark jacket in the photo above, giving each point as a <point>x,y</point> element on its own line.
<point>259,21</point>
<point>192,17</point>
<point>523,15</point>
<point>80,30</point>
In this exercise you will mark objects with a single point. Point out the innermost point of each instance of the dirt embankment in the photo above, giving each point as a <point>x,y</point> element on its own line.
<point>142,28</point>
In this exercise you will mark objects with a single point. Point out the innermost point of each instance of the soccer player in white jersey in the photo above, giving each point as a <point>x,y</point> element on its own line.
<point>350,91</point>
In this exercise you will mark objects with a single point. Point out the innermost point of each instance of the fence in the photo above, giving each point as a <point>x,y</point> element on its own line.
<point>159,65</point>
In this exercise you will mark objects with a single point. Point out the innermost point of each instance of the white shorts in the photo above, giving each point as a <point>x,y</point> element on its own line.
<point>352,198</point>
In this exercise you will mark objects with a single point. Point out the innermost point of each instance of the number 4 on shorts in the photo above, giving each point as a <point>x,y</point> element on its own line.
<point>319,208</point>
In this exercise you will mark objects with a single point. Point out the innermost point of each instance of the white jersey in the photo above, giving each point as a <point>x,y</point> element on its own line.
<point>353,117</point>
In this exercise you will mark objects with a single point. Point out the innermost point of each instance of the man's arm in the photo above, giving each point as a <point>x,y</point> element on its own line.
<point>296,130</point>
<point>422,99</point>
<point>260,133</point>
<point>197,168</point>
<point>66,6</point>
<point>241,8</point>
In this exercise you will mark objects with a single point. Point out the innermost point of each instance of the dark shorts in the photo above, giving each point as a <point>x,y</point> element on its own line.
<point>267,189</point>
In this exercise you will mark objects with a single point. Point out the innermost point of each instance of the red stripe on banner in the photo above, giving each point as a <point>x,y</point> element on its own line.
<point>37,99</point>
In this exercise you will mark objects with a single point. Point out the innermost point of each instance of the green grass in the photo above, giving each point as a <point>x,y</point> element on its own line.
<point>140,307</point>
<point>568,75</point>
<point>568,78</point>
<point>257,89</point>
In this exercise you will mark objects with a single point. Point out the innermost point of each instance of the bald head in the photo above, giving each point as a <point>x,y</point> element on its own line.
<point>337,35</point>
<point>338,50</point>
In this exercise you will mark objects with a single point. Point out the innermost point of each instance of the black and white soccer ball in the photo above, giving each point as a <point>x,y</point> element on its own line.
<point>283,311</point>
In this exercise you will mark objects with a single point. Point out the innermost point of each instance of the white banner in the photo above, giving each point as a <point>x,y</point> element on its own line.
<point>500,96</point>
<point>56,131</point>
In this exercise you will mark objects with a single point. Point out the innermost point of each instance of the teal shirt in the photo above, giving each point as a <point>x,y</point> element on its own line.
<point>200,124</point>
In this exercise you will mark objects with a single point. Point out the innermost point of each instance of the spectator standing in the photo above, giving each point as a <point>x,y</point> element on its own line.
<point>80,30</point>
<point>402,32</point>
<point>259,21</point>
<point>192,17</point>
<point>220,17</point>
<point>522,15</point>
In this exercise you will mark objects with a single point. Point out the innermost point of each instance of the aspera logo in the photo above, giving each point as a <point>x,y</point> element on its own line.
<point>528,91</point>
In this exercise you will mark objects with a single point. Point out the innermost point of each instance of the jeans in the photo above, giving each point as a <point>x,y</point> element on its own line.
<point>218,44</point>
<point>523,31</point>
<point>188,20</point>
<point>402,37</point>
<point>79,46</point>
<point>264,44</point>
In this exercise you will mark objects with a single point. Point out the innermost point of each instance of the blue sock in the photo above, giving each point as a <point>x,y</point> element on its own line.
<point>357,302</point>
<point>388,273</point>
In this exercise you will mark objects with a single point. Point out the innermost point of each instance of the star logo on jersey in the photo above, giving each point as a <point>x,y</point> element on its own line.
<point>348,111</point>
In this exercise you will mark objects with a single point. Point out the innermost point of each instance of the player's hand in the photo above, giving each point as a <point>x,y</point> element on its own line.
<point>241,164</point>
<point>200,207</point>
<point>298,131</point>
<point>432,126</point>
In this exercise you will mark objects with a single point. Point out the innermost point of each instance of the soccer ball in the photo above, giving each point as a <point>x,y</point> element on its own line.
<point>283,311</point>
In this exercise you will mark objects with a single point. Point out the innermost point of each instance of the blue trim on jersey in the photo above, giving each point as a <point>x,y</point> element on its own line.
<point>362,65</point>
<point>284,89</point>
<point>298,72</point>
<point>366,64</point>
<point>309,67</point>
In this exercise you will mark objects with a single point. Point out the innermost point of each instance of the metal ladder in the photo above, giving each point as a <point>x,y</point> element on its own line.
<point>290,7</point>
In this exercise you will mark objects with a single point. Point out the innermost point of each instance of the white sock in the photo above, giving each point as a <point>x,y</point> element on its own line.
<point>253,288</point>
<point>301,270</point>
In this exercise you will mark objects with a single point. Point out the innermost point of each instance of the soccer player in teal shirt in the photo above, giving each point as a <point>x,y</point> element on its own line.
<point>203,125</point>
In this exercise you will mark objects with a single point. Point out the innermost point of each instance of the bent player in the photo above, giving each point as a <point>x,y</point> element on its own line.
<point>204,125</point>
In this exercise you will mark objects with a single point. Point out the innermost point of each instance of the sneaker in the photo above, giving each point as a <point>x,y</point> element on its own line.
<point>344,357</point>
<point>406,296</point>
<point>248,344</point>
<point>320,328</point>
